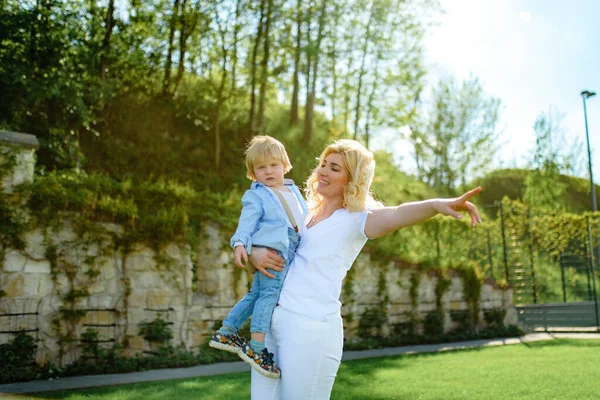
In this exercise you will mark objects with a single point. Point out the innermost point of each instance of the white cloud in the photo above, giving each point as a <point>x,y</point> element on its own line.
<point>519,43</point>
<point>525,15</point>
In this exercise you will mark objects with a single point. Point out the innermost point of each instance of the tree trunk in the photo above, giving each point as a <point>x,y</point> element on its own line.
<point>361,74</point>
<point>217,133</point>
<point>109,22</point>
<point>265,69</point>
<point>308,69</point>
<point>187,28</point>
<point>347,85</point>
<point>169,62</point>
<point>370,101</point>
<point>310,102</point>
<point>309,56</point>
<point>234,55</point>
<point>33,35</point>
<point>294,111</point>
<point>253,66</point>
<point>220,99</point>
<point>334,75</point>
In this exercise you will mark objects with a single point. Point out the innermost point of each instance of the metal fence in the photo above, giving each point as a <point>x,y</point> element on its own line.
<point>548,290</point>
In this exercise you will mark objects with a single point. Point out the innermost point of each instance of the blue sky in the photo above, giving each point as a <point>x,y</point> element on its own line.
<point>529,53</point>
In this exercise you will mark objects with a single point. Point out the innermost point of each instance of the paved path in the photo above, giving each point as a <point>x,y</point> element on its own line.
<point>83,382</point>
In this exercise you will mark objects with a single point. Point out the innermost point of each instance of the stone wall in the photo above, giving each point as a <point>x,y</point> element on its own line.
<point>192,290</point>
<point>31,287</point>
<point>366,283</point>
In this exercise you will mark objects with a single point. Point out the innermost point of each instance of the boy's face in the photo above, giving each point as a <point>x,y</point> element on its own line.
<point>269,172</point>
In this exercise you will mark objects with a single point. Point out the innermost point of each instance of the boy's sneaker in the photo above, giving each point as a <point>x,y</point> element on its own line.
<point>228,342</point>
<point>261,361</point>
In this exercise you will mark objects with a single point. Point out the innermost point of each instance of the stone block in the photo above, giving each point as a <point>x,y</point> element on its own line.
<point>102,301</point>
<point>14,262</point>
<point>198,326</point>
<point>46,286</point>
<point>96,287</point>
<point>458,305</point>
<point>136,343</point>
<point>207,287</point>
<point>174,251</point>
<point>137,300</point>
<point>22,171</point>
<point>197,338</point>
<point>145,280</point>
<point>66,235</point>
<point>13,285</point>
<point>111,227</point>
<point>159,299</point>
<point>141,260</point>
<point>37,267</point>
<point>108,271</point>
<point>400,308</point>
<point>49,306</point>
<point>102,317</point>
<point>34,241</point>
<point>113,286</point>
<point>427,289</point>
<point>62,283</point>
<point>511,316</point>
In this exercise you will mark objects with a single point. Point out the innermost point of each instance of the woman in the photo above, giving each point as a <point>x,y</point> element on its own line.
<point>306,329</point>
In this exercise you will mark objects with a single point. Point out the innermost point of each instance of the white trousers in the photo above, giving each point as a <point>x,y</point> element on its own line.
<point>309,353</point>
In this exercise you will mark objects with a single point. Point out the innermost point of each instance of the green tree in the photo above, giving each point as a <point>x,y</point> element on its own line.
<point>543,187</point>
<point>457,138</point>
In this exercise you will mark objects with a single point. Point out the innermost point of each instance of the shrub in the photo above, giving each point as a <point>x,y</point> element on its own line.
<point>494,317</point>
<point>370,322</point>
<point>157,331</point>
<point>434,323</point>
<point>17,359</point>
<point>464,319</point>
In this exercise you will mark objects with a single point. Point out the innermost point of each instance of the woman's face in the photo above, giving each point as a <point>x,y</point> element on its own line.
<point>333,176</point>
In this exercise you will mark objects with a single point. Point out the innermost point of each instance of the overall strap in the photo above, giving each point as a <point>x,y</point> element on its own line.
<point>287,209</point>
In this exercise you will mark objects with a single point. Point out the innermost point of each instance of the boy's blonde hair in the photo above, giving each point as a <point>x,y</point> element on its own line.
<point>261,147</point>
<point>360,164</point>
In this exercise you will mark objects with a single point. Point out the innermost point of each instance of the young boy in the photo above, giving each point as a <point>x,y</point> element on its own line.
<point>264,222</point>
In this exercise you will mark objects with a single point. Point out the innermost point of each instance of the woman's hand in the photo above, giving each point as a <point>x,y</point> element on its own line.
<point>452,207</point>
<point>263,258</point>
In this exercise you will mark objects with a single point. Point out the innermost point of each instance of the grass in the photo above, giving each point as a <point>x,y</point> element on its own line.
<point>559,369</point>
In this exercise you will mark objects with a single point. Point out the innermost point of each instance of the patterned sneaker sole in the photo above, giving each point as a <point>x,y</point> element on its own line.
<point>222,346</point>
<point>250,361</point>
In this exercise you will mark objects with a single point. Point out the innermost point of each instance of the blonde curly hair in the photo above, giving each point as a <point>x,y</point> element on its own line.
<point>360,164</point>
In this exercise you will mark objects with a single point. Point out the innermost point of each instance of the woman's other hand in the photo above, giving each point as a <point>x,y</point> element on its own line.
<point>263,259</point>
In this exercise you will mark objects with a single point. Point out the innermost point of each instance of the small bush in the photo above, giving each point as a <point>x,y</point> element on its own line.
<point>89,344</point>
<point>464,319</point>
<point>494,317</point>
<point>370,323</point>
<point>434,323</point>
<point>17,359</point>
<point>157,331</point>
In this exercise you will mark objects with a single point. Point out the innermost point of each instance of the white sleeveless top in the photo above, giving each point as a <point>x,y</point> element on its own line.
<point>325,254</point>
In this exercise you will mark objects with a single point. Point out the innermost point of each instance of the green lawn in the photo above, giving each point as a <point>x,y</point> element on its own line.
<point>559,369</point>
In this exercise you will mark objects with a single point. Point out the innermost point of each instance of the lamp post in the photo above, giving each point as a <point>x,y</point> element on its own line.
<point>586,94</point>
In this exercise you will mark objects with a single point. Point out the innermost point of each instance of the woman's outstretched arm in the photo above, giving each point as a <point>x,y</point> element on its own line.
<point>385,220</point>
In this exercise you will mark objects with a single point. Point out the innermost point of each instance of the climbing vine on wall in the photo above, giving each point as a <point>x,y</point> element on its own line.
<point>12,222</point>
<point>472,283</point>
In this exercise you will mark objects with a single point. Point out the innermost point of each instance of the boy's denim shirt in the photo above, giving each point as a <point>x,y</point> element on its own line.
<point>263,221</point>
